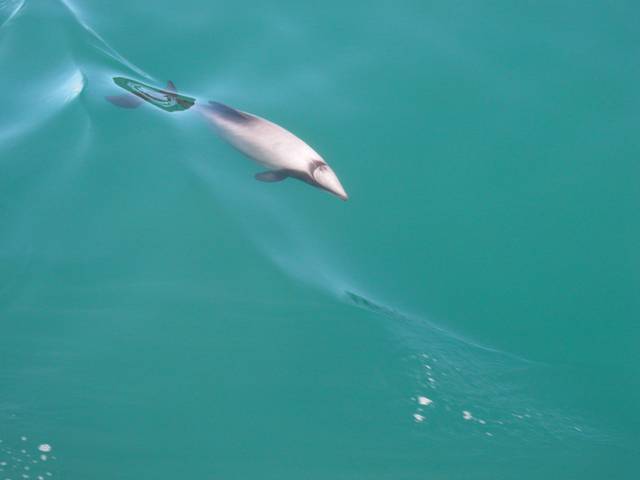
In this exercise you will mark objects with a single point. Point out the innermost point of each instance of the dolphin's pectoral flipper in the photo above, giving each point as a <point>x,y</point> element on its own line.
<point>272,176</point>
<point>126,100</point>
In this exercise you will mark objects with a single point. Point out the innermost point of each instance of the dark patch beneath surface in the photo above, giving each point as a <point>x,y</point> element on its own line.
<point>125,101</point>
<point>229,113</point>
<point>272,175</point>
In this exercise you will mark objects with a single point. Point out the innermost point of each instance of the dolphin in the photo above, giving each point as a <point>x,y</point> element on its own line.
<point>282,153</point>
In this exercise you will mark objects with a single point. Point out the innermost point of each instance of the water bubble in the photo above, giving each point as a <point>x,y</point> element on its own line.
<point>424,401</point>
<point>45,447</point>
<point>467,415</point>
<point>418,418</point>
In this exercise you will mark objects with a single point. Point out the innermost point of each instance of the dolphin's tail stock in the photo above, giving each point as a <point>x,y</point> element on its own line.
<point>167,99</point>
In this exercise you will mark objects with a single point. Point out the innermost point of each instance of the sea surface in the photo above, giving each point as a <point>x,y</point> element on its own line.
<point>472,312</point>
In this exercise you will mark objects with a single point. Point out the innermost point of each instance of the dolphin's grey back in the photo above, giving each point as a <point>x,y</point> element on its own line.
<point>228,113</point>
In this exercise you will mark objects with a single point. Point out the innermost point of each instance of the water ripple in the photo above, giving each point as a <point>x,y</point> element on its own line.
<point>10,8</point>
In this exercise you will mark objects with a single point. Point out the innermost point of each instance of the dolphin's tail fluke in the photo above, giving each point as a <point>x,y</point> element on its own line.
<point>128,100</point>
<point>167,99</point>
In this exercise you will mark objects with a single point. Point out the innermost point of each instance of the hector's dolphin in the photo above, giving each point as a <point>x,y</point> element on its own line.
<point>270,145</point>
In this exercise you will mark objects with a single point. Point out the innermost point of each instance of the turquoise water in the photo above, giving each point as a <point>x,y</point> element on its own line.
<point>470,313</point>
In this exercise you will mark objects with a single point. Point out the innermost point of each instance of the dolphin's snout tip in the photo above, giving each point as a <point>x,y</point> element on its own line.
<point>328,180</point>
<point>340,193</point>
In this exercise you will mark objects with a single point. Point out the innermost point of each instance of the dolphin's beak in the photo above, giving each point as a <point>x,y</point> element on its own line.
<point>338,190</point>
<point>328,180</point>
<point>343,195</point>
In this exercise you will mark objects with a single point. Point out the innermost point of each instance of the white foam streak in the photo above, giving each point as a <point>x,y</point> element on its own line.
<point>70,87</point>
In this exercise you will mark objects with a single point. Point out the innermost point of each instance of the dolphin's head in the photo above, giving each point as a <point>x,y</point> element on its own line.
<point>323,177</point>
